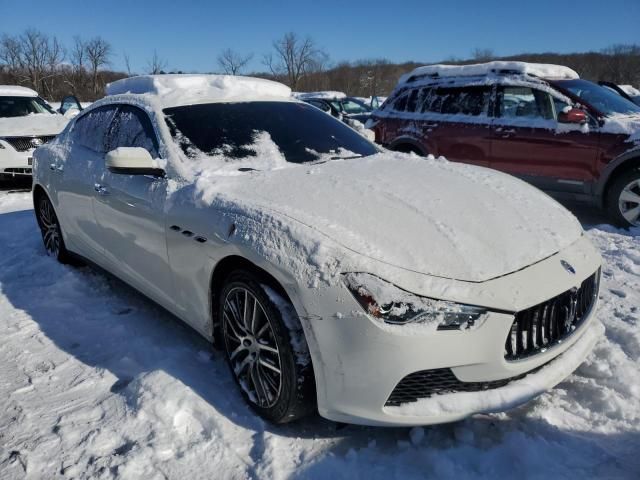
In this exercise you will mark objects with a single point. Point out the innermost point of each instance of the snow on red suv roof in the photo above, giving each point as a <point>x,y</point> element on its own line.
<point>542,70</point>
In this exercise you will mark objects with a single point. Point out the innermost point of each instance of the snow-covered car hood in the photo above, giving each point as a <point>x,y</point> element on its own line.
<point>34,124</point>
<point>424,215</point>
<point>623,125</point>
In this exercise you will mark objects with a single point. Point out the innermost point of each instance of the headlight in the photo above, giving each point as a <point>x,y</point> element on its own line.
<point>396,306</point>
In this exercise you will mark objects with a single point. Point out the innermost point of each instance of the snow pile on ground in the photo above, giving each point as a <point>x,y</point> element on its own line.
<point>542,70</point>
<point>171,90</point>
<point>97,382</point>
<point>32,124</point>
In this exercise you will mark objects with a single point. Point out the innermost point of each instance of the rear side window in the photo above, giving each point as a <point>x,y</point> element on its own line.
<point>89,130</point>
<point>458,101</point>
<point>131,127</point>
<point>400,103</point>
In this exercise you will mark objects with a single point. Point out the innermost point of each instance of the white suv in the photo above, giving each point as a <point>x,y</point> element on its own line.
<point>384,288</point>
<point>26,122</point>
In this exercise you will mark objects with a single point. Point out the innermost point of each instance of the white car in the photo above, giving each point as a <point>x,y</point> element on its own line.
<point>379,288</point>
<point>26,122</point>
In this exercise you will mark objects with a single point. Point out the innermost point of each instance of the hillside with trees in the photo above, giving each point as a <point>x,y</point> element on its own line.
<point>83,67</point>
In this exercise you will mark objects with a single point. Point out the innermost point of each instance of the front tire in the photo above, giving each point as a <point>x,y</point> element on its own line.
<point>50,230</point>
<point>265,349</point>
<point>623,199</point>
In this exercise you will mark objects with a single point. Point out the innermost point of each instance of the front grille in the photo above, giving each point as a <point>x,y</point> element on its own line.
<point>16,171</point>
<point>22,144</point>
<point>541,326</point>
<point>427,383</point>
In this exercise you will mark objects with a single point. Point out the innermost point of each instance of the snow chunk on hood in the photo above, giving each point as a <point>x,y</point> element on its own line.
<point>174,89</point>
<point>424,215</point>
<point>33,124</point>
<point>623,125</point>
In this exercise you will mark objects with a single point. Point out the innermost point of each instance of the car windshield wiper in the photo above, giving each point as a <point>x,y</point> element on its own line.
<point>346,158</point>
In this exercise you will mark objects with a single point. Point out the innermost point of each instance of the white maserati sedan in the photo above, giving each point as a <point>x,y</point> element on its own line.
<point>378,288</point>
<point>26,122</point>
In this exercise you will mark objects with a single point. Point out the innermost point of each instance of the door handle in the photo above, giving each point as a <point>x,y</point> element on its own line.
<point>101,189</point>
<point>55,168</point>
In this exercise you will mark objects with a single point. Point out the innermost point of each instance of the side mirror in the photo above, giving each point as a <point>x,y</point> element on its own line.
<point>572,115</point>
<point>132,161</point>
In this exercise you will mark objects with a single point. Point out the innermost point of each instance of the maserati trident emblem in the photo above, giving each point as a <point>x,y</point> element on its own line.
<point>36,142</point>
<point>568,267</point>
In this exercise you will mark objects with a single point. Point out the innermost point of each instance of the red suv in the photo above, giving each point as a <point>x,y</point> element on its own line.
<point>570,137</point>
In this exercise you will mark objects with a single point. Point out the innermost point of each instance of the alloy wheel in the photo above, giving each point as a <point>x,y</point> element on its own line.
<point>50,228</point>
<point>251,347</point>
<point>629,202</point>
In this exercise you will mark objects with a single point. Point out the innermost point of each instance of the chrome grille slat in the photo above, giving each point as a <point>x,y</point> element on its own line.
<point>22,144</point>
<point>543,325</point>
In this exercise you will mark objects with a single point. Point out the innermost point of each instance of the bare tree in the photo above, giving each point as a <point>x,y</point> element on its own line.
<point>232,62</point>
<point>127,62</point>
<point>483,54</point>
<point>98,53</point>
<point>294,58</point>
<point>156,64</point>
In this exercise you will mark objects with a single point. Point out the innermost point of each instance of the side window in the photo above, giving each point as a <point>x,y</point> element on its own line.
<point>321,105</point>
<point>412,101</point>
<point>131,127</point>
<point>464,101</point>
<point>90,129</point>
<point>524,102</point>
<point>401,102</point>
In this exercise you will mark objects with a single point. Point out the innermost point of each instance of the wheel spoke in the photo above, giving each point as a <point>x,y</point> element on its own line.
<point>233,326</point>
<point>267,348</point>
<point>630,197</point>
<point>269,366</point>
<point>235,353</point>
<point>632,214</point>
<point>259,385</point>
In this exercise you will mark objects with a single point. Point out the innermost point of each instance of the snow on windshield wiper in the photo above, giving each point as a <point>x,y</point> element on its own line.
<point>248,169</point>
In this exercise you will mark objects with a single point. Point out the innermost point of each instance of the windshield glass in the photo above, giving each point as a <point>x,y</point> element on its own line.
<point>354,106</point>
<point>301,132</point>
<point>22,106</point>
<point>603,99</point>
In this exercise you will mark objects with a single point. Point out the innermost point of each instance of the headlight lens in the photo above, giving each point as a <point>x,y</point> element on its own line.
<point>396,306</point>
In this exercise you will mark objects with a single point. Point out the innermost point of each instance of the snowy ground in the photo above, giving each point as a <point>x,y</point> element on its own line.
<point>97,382</point>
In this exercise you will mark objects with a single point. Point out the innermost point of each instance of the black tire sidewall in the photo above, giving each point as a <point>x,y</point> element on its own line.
<point>63,255</point>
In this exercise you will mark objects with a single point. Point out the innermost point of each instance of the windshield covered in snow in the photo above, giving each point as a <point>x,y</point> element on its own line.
<point>301,132</point>
<point>604,99</point>
<point>22,106</point>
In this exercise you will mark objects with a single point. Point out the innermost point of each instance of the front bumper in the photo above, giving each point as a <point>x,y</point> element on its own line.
<point>358,361</point>
<point>14,163</point>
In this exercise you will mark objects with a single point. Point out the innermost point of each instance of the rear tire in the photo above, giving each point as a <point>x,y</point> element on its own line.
<point>50,230</point>
<point>623,199</point>
<point>265,349</point>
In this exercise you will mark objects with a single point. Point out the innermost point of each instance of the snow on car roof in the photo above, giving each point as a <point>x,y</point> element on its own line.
<point>326,95</point>
<point>16,91</point>
<point>178,89</point>
<point>630,90</point>
<point>542,70</point>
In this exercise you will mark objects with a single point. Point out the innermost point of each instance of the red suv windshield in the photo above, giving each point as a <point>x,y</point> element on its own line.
<point>603,99</point>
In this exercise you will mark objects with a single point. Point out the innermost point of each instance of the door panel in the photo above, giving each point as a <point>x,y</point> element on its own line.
<point>528,142</point>
<point>76,179</point>
<point>129,211</point>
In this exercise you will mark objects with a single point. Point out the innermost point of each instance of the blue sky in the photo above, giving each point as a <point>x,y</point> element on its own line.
<point>189,34</point>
